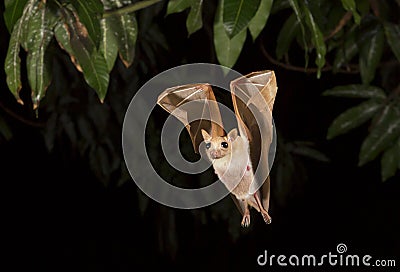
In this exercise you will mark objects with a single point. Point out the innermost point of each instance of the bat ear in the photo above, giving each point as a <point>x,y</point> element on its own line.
<point>232,135</point>
<point>206,136</point>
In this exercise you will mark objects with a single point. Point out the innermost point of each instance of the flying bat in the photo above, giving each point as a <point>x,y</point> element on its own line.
<point>239,157</point>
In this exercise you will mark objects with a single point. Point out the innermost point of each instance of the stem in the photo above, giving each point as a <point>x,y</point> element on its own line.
<point>375,7</point>
<point>20,118</point>
<point>129,8</point>
<point>291,67</point>
<point>340,25</point>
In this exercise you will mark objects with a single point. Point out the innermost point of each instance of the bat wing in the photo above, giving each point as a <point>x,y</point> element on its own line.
<point>253,98</point>
<point>196,107</point>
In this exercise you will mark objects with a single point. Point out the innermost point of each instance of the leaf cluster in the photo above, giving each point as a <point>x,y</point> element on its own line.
<point>347,36</point>
<point>92,32</point>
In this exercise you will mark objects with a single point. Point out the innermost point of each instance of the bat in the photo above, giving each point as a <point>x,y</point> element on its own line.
<point>239,157</point>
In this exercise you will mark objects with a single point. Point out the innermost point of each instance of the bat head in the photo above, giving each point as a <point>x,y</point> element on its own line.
<point>219,147</point>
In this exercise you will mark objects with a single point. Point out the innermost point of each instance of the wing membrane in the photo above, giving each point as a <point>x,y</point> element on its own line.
<point>196,107</point>
<point>253,98</point>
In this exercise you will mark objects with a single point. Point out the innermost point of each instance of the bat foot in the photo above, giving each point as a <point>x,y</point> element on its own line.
<point>266,217</point>
<point>246,220</point>
<point>264,213</point>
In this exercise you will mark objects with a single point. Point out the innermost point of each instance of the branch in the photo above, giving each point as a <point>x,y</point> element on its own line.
<point>21,118</point>
<point>375,7</point>
<point>340,25</point>
<point>130,8</point>
<point>312,70</point>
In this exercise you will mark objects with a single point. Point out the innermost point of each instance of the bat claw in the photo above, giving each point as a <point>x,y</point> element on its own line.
<point>268,221</point>
<point>246,220</point>
<point>266,217</point>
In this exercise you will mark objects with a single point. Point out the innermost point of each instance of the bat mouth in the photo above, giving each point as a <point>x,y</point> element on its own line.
<point>216,157</point>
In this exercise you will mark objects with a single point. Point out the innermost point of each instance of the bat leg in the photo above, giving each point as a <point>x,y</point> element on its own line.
<point>264,213</point>
<point>246,216</point>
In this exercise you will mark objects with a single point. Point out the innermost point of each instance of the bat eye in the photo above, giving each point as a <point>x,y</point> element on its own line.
<point>224,144</point>
<point>208,145</point>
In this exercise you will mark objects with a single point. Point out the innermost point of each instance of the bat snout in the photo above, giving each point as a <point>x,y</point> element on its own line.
<point>215,154</point>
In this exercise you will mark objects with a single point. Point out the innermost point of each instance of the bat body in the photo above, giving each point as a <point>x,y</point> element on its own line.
<point>237,155</point>
<point>231,160</point>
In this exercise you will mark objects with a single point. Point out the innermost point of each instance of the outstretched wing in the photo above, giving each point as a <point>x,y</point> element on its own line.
<point>253,98</point>
<point>196,107</point>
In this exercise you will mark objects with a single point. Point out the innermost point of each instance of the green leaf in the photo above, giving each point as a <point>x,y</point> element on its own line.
<point>370,55</point>
<point>38,64</point>
<point>108,44</point>
<point>31,28</point>
<point>382,135</point>
<point>70,28</point>
<point>69,126</point>
<point>280,5</point>
<point>363,6</point>
<point>5,129</point>
<point>322,13</point>
<point>13,11</point>
<point>125,29</point>
<point>175,6</point>
<point>50,130</point>
<point>26,35</point>
<point>194,20</point>
<point>351,47</point>
<point>12,63</point>
<point>94,68</point>
<point>98,78</point>
<point>91,62</point>
<point>257,24</point>
<point>350,5</point>
<point>389,161</point>
<point>77,32</point>
<point>346,52</point>
<point>309,152</point>
<point>227,49</point>
<point>299,15</point>
<point>353,118</point>
<point>63,38</point>
<point>288,32</point>
<point>392,33</point>
<point>237,14</point>
<point>89,12</point>
<point>317,39</point>
<point>356,91</point>
<point>39,75</point>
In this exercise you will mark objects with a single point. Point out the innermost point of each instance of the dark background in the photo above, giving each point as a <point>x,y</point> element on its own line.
<point>59,217</point>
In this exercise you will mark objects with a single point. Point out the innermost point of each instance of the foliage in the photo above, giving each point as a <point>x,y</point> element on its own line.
<point>91,36</point>
<point>95,32</point>
<point>103,45</point>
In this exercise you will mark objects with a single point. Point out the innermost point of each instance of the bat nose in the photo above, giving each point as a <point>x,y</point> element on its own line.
<point>215,154</point>
<point>212,153</point>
